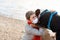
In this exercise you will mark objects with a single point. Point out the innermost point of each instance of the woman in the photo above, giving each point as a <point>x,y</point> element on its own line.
<point>31,30</point>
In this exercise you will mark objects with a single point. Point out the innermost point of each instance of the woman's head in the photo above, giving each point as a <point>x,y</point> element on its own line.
<point>37,12</point>
<point>30,15</point>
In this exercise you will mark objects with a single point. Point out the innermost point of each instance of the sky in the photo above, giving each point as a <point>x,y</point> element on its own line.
<point>17,8</point>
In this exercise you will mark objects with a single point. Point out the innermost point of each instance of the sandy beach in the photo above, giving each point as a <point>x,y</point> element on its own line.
<point>11,29</point>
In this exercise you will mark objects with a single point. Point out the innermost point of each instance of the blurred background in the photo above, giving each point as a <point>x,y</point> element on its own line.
<point>17,8</point>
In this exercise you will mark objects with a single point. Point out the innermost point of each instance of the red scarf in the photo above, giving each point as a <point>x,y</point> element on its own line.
<point>35,36</point>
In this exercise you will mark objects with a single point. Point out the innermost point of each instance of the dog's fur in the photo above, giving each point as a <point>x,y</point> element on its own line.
<point>47,36</point>
<point>55,23</point>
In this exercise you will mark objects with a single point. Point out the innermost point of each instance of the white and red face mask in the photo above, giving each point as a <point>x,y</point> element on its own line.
<point>34,21</point>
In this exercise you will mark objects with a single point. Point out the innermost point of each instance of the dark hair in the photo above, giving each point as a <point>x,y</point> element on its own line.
<point>28,14</point>
<point>37,12</point>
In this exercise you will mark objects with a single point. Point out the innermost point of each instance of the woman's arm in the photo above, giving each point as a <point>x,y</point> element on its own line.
<point>34,31</point>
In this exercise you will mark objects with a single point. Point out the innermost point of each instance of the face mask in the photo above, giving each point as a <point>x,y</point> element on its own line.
<point>35,21</point>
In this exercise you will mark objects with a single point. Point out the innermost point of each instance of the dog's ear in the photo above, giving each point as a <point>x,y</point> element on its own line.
<point>37,12</point>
